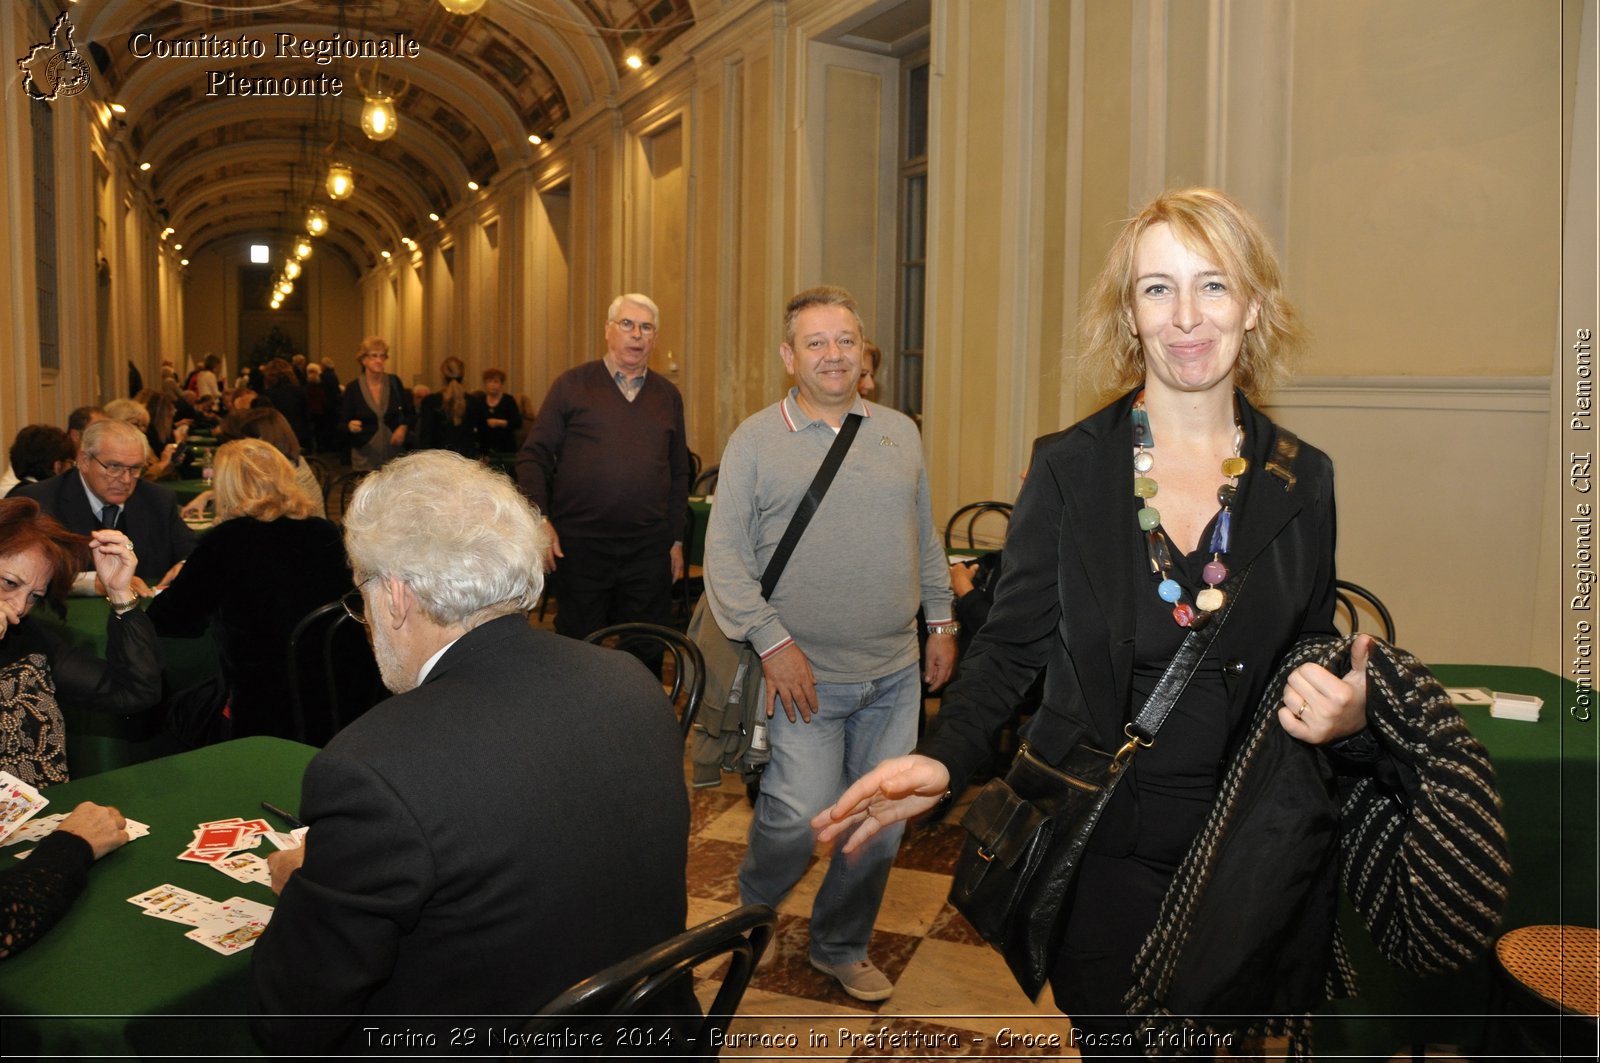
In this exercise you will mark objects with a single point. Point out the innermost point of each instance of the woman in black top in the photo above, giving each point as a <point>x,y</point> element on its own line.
<point>496,416</point>
<point>252,578</point>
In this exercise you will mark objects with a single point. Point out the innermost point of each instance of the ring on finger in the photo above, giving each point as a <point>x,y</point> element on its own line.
<point>1305,706</point>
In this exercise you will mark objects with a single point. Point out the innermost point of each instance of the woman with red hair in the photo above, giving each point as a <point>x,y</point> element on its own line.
<point>38,559</point>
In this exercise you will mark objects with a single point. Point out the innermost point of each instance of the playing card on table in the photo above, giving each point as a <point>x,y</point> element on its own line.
<point>175,904</point>
<point>203,856</point>
<point>19,802</point>
<point>227,936</point>
<point>225,837</point>
<point>243,908</point>
<point>245,867</point>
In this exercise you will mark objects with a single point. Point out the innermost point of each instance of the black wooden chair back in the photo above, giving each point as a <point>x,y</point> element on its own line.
<point>652,983</point>
<point>966,518</point>
<point>1350,594</point>
<point>333,676</point>
<point>688,665</point>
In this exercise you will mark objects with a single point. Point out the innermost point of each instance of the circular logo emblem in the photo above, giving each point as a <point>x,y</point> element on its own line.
<point>69,73</point>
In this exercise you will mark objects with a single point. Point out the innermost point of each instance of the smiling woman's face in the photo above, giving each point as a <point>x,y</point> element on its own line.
<point>1189,320</point>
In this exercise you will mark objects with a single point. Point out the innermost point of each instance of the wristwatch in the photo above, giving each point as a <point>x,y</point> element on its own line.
<point>949,627</point>
<point>118,608</point>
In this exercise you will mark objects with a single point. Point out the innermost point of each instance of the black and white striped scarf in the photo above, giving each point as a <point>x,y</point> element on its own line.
<point>1427,871</point>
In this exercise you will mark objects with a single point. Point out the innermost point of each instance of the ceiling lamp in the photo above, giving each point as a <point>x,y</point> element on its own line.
<point>316,221</point>
<point>286,288</point>
<point>461,7</point>
<point>632,59</point>
<point>291,268</point>
<point>341,181</point>
<point>302,245</point>
<point>378,119</point>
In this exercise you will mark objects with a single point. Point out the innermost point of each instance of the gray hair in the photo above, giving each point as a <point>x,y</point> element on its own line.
<point>463,538</point>
<point>96,434</point>
<point>634,297</point>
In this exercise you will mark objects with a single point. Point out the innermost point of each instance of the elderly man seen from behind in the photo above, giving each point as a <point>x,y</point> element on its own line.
<point>512,821</point>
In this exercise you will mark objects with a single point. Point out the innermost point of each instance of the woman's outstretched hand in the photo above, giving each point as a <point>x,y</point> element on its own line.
<point>897,789</point>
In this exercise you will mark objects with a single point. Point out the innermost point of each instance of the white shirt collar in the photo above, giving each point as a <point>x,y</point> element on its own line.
<point>427,666</point>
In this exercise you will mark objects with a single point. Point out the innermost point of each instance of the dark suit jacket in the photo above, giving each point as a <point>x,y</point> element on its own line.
<point>1073,566</point>
<point>149,517</point>
<point>477,845</point>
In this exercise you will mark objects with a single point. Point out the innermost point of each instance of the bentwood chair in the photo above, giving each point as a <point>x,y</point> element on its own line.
<point>333,676</point>
<point>705,483</point>
<point>688,665</point>
<point>966,519</point>
<point>657,985</point>
<point>1349,594</point>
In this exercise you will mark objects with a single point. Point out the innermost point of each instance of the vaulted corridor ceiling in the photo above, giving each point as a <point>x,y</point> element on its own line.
<point>245,149</point>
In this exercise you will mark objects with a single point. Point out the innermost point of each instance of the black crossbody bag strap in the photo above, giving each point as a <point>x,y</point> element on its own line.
<point>808,504</point>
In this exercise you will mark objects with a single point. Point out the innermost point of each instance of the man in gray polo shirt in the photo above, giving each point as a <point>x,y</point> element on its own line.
<point>838,638</point>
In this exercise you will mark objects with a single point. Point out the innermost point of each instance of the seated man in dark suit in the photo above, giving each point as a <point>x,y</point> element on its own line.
<point>513,820</point>
<point>107,490</point>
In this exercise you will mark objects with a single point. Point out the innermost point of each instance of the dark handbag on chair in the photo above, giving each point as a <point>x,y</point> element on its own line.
<point>1026,832</point>
<point>726,727</point>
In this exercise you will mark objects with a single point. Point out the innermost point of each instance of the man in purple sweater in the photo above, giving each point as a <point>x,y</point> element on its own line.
<point>607,463</point>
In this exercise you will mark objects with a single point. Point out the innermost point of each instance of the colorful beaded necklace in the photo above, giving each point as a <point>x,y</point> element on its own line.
<point>1145,488</point>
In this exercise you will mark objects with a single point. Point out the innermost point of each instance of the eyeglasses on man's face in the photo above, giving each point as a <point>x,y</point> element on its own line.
<point>355,604</point>
<point>628,324</point>
<point>117,471</point>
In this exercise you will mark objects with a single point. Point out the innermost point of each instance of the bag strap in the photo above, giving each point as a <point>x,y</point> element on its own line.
<point>808,505</point>
<point>1170,687</point>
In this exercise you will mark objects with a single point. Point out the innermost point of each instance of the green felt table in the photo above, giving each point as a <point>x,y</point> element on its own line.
<point>99,741</point>
<point>1546,774</point>
<point>109,980</point>
<point>187,490</point>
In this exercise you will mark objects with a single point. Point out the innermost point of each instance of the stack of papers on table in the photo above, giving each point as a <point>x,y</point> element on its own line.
<point>1501,705</point>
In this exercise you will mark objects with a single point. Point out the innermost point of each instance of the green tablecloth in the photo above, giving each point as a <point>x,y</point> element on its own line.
<point>100,741</point>
<point>187,490</point>
<point>1546,774</point>
<point>107,979</point>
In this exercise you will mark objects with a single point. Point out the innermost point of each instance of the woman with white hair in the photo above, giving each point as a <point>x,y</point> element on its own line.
<point>252,578</point>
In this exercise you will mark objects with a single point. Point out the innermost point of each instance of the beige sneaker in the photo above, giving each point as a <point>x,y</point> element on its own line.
<point>861,979</point>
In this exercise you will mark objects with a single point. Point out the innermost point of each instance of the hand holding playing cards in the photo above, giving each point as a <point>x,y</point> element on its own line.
<point>100,825</point>
<point>283,864</point>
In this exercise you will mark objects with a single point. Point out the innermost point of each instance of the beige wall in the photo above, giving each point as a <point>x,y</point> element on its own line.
<point>1425,183</point>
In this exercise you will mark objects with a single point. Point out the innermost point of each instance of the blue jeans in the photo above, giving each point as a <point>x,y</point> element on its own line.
<point>856,725</point>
